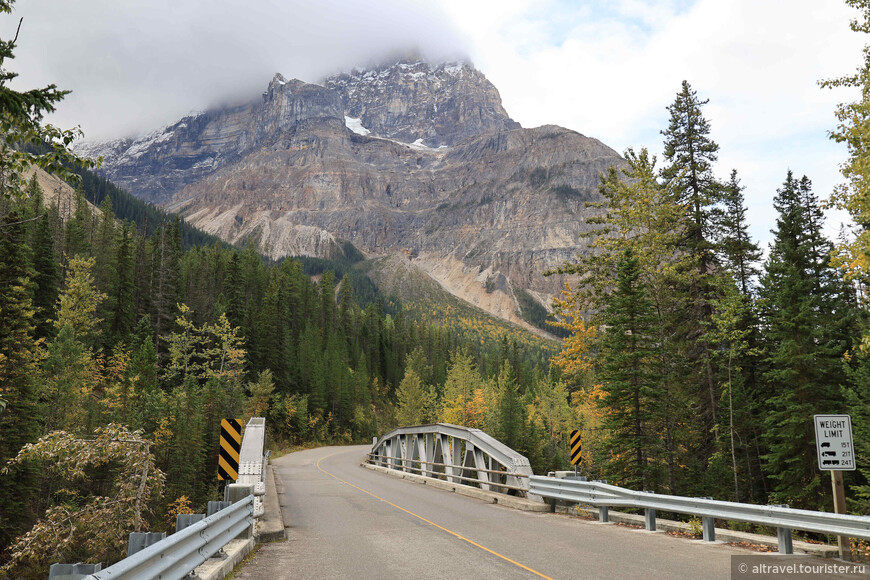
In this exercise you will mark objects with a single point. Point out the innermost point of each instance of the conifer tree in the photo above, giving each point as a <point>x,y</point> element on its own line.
<point>79,229</point>
<point>628,376</point>
<point>105,251</point>
<point>462,382</point>
<point>735,325</point>
<point>642,213</point>
<point>414,400</point>
<point>149,402</point>
<point>272,332</point>
<point>142,276</point>
<point>123,291</point>
<point>690,153</point>
<point>739,253</point>
<point>166,277</point>
<point>79,302</point>
<point>69,379</point>
<point>511,411</point>
<point>19,356</point>
<point>327,303</point>
<point>806,331</point>
<point>45,276</point>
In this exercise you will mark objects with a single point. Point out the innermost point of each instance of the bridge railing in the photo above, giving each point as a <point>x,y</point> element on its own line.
<point>454,453</point>
<point>783,518</point>
<point>252,461</point>
<point>174,557</point>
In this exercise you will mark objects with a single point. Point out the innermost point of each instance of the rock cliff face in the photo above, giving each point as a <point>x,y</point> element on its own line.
<point>406,158</point>
<point>413,102</point>
<point>158,165</point>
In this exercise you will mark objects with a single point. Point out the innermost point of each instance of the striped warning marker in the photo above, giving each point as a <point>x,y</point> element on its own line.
<point>231,444</point>
<point>575,447</point>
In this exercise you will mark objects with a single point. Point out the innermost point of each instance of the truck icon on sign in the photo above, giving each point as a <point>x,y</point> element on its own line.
<point>831,462</point>
<point>829,453</point>
<point>825,444</point>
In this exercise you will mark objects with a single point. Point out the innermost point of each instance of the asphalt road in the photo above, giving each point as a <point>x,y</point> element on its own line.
<point>344,521</point>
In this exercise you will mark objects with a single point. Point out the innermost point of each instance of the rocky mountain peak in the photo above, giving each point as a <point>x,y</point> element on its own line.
<point>406,157</point>
<point>411,100</point>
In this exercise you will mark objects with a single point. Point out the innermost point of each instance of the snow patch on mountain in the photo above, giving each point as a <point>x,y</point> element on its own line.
<point>356,126</point>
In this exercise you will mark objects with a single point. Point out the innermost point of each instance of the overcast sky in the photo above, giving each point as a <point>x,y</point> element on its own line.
<point>605,68</point>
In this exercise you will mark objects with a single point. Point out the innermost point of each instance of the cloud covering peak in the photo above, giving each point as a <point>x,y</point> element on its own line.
<point>134,65</point>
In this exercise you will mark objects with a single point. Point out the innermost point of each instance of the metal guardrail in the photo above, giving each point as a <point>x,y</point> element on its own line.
<point>252,461</point>
<point>176,556</point>
<point>429,472</point>
<point>455,453</point>
<point>783,518</point>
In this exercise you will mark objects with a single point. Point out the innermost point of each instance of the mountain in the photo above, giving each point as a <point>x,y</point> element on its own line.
<point>413,102</point>
<point>407,159</point>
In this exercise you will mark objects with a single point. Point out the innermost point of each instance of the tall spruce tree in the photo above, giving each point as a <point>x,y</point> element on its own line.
<point>631,402</point>
<point>690,153</point>
<point>165,278</point>
<point>807,315</point>
<point>735,320</point>
<point>643,213</point>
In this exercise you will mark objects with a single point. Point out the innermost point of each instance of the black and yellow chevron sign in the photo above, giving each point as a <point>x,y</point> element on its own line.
<point>231,444</point>
<point>576,446</point>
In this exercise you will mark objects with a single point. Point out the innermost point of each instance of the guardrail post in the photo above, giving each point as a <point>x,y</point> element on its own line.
<point>72,571</point>
<point>604,514</point>
<point>236,492</point>
<point>783,537</point>
<point>216,506</point>
<point>708,528</point>
<point>650,519</point>
<point>138,541</point>
<point>185,520</point>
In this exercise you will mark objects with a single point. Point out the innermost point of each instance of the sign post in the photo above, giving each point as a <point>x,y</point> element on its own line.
<point>836,453</point>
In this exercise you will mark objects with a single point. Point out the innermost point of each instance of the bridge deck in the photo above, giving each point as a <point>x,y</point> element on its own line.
<point>349,522</point>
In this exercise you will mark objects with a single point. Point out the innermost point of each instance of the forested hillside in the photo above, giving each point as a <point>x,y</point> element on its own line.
<point>104,328</point>
<point>147,217</point>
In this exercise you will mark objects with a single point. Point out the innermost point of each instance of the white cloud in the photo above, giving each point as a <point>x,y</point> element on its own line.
<point>612,74</point>
<point>136,64</point>
<point>607,68</point>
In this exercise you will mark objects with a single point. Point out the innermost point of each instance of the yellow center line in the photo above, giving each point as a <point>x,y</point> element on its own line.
<point>431,523</point>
